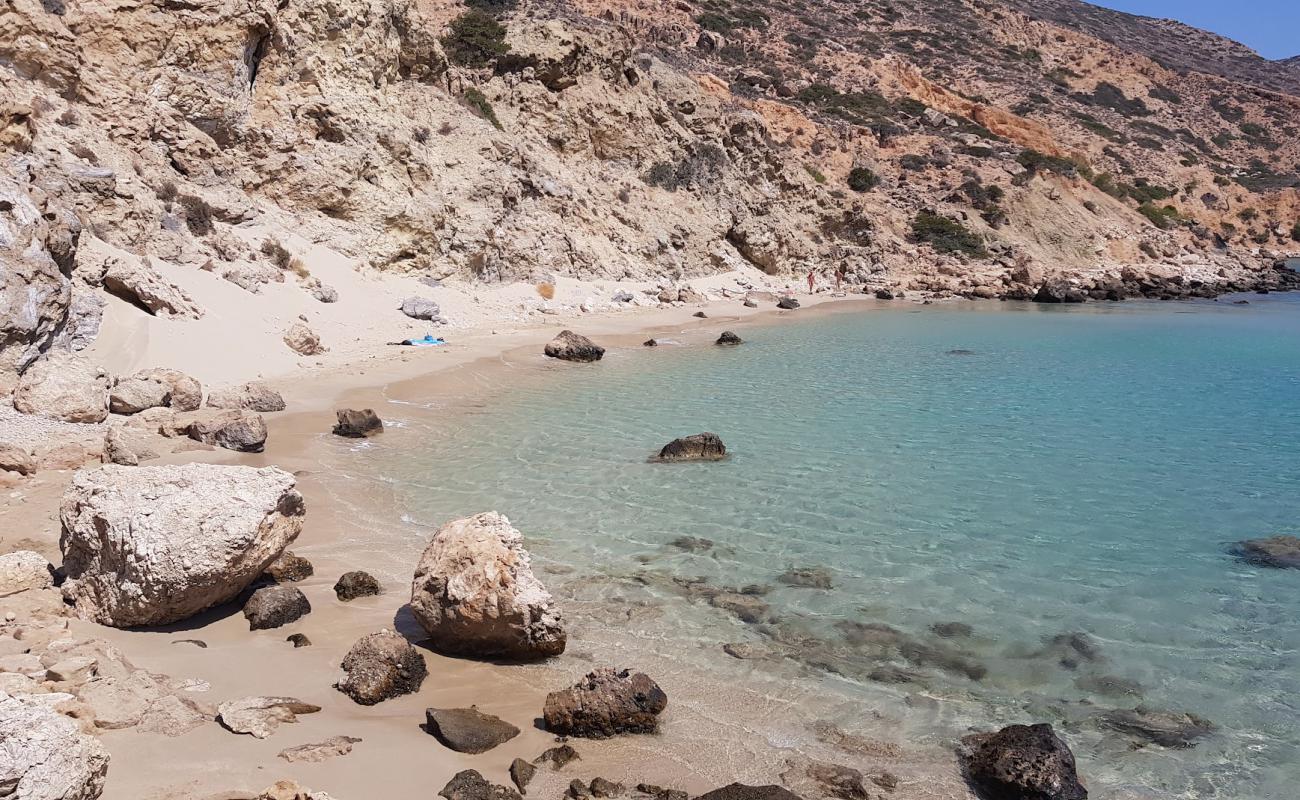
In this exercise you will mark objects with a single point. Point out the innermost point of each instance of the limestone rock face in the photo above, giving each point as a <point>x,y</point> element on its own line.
<point>476,594</point>
<point>24,570</point>
<point>303,340</point>
<point>138,283</point>
<point>153,545</point>
<point>44,756</point>
<point>570,346</point>
<point>382,666</point>
<point>605,703</point>
<point>64,387</point>
<point>1022,761</point>
<point>183,392</point>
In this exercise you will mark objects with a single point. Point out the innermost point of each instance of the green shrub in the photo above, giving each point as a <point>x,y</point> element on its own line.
<point>1035,161</point>
<point>815,173</point>
<point>1295,232</point>
<point>862,179</point>
<point>1163,217</point>
<point>493,6</point>
<point>478,102</point>
<point>1108,95</point>
<point>946,236</point>
<point>475,40</point>
<point>699,167</point>
<point>1248,215</point>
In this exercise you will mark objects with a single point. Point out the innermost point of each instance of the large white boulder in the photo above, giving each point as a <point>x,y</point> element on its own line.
<point>476,594</point>
<point>153,545</point>
<point>45,756</point>
<point>65,387</point>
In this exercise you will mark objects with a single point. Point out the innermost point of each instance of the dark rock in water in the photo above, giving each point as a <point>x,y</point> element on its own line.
<point>570,346</point>
<point>1058,290</point>
<point>521,772</point>
<point>924,655</point>
<point>789,304</point>
<point>1173,729</point>
<point>749,303</point>
<point>356,584</point>
<point>1241,302</point>
<point>739,791</point>
<point>807,577</point>
<point>960,352</point>
<point>558,756</point>
<point>697,447</point>
<point>605,703</point>
<point>381,666</point>
<point>745,606</point>
<point>601,787</point>
<point>952,630</point>
<point>1072,649</point>
<point>692,544</point>
<point>838,781</point>
<point>298,640</point>
<point>357,424</point>
<point>289,568</point>
<point>199,643</point>
<point>862,634</point>
<point>468,730</point>
<point>884,294</point>
<point>470,785</point>
<point>729,338</point>
<point>1109,685</point>
<point>650,343</point>
<point>700,315</point>
<point>660,793</point>
<point>1022,762</point>
<point>1279,552</point>
<point>273,606</point>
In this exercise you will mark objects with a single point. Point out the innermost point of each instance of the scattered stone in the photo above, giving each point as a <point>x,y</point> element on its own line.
<point>16,458</point>
<point>65,387</point>
<point>298,640</point>
<point>357,424</point>
<point>660,793</point>
<point>1072,649</point>
<point>884,294</point>
<point>476,594</point>
<point>470,785</point>
<point>135,394</point>
<point>24,570</point>
<point>1022,761</point>
<point>356,584</point>
<point>183,392</point>
<point>290,568</point>
<point>700,315</point>
<point>420,308</point>
<point>468,730</point>
<point>76,669</point>
<point>1173,729</point>
<point>729,338</point>
<point>839,781</point>
<point>749,303</point>
<point>789,304</point>
<point>570,346</point>
<point>303,340</point>
<point>521,772</point>
<point>320,751</point>
<point>605,703</point>
<point>242,431</point>
<point>260,716</point>
<point>650,343</point>
<point>45,756</point>
<point>696,447</point>
<point>1279,552</point>
<point>381,666</point>
<point>199,643</point>
<point>252,396</point>
<point>601,787</point>
<point>273,606</point>
<point>746,607</point>
<point>739,791</point>
<point>558,756</point>
<point>692,544</point>
<point>194,549</point>
<point>952,630</point>
<point>807,577</point>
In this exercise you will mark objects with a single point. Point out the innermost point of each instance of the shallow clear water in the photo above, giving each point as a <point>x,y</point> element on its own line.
<point>1079,470</point>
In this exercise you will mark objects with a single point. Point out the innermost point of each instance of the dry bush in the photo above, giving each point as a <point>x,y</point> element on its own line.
<point>299,268</point>
<point>546,290</point>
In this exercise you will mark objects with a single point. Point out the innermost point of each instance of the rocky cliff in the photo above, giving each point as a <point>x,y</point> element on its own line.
<point>957,148</point>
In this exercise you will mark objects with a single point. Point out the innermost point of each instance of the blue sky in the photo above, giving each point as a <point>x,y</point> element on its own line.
<point>1272,27</point>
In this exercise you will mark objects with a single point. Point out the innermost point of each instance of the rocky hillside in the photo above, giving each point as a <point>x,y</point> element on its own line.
<point>925,147</point>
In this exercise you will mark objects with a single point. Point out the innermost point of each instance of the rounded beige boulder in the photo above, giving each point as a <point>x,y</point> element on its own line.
<point>153,545</point>
<point>476,594</point>
<point>64,387</point>
<point>45,756</point>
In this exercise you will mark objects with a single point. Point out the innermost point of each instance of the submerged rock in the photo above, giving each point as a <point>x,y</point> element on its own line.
<point>570,346</point>
<point>606,703</point>
<point>1022,762</point>
<point>357,424</point>
<point>381,666</point>
<point>807,577</point>
<point>952,630</point>
<point>729,338</point>
<point>696,447</point>
<point>740,791</point>
<point>692,544</point>
<point>470,785</point>
<point>1279,552</point>
<point>468,730</point>
<point>356,584</point>
<point>273,606</point>
<point>1109,685</point>
<point>1072,649</point>
<point>1174,729</point>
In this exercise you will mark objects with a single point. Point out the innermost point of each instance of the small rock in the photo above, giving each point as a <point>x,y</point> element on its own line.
<point>64,387</point>
<point>1022,761</point>
<point>381,666</point>
<point>241,431</point>
<point>521,772</point>
<point>470,785</point>
<point>700,315</point>
<point>357,424</point>
<point>303,340</point>
<point>468,730</point>
<point>570,346</point>
<point>558,756</point>
<point>884,294</point>
<point>16,458</point>
<point>273,606</point>
<point>356,584</point>
<point>135,394</point>
<point>298,640</point>
<point>605,703</point>
<point>697,447</point>
<point>601,787</point>
<point>650,343</point>
<point>729,338</point>
<point>577,790</point>
<point>420,308</point>
<point>838,781</point>
<point>320,751</point>
<point>24,570</point>
<point>290,568</point>
<point>260,716</point>
<point>72,670</point>
<point>749,303</point>
<point>252,396</point>
<point>789,304</point>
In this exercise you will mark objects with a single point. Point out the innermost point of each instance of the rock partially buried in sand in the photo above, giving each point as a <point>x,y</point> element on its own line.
<point>357,424</point>
<point>290,568</point>
<point>470,785</point>
<point>253,396</point>
<point>356,584</point>
<point>135,394</point>
<point>729,339</point>
<point>317,752</point>
<point>45,756</point>
<point>298,640</point>
<point>740,791</point>
<point>153,545</point>
<point>24,570</point>
<point>476,594</point>
<point>787,303</point>
<point>468,730</point>
<point>273,606</point>
<point>570,346</point>
<point>183,392</point>
<point>521,773</point>
<point>1279,552</point>
<point>1173,729</point>
<point>606,703</point>
<point>381,666</point>
<point>289,790</point>
<point>241,431</point>
<point>260,716</point>
<point>1022,761</point>
<point>303,340</point>
<point>697,447</point>
<point>64,387</point>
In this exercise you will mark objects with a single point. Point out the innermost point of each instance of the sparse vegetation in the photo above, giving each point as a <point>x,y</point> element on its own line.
<point>1108,95</point>
<point>862,179</point>
<point>815,173</point>
<point>1163,217</point>
<point>478,102</point>
<point>475,39</point>
<point>1295,232</point>
<point>1035,162</point>
<point>198,214</point>
<point>946,235</point>
<point>699,167</point>
<point>546,290</point>
<point>278,253</point>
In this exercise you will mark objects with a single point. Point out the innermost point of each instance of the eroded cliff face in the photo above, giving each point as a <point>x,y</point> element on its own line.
<point>613,140</point>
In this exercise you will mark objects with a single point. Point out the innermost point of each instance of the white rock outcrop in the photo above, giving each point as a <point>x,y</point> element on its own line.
<point>476,594</point>
<point>44,756</point>
<point>153,545</point>
<point>65,387</point>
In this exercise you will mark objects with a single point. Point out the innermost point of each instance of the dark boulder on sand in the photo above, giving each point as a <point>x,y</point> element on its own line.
<point>1022,762</point>
<point>289,568</point>
<point>558,756</point>
<point>697,447</point>
<point>789,304</point>
<point>1059,290</point>
<point>521,773</point>
<point>1174,729</point>
<point>740,791</point>
<point>468,730</point>
<point>606,703</point>
<point>471,785</point>
<point>273,606</point>
<point>357,423</point>
<point>381,666</point>
<point>356,584</point>
<point>729,338</point>
<point>570,346</point>
<point>1279,552</point>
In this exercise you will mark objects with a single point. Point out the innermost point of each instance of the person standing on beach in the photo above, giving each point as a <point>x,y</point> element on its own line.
<point>839,278</point>
<point>811,278</point>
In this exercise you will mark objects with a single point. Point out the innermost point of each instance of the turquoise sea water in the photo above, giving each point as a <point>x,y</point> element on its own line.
<point>1073,470</point>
